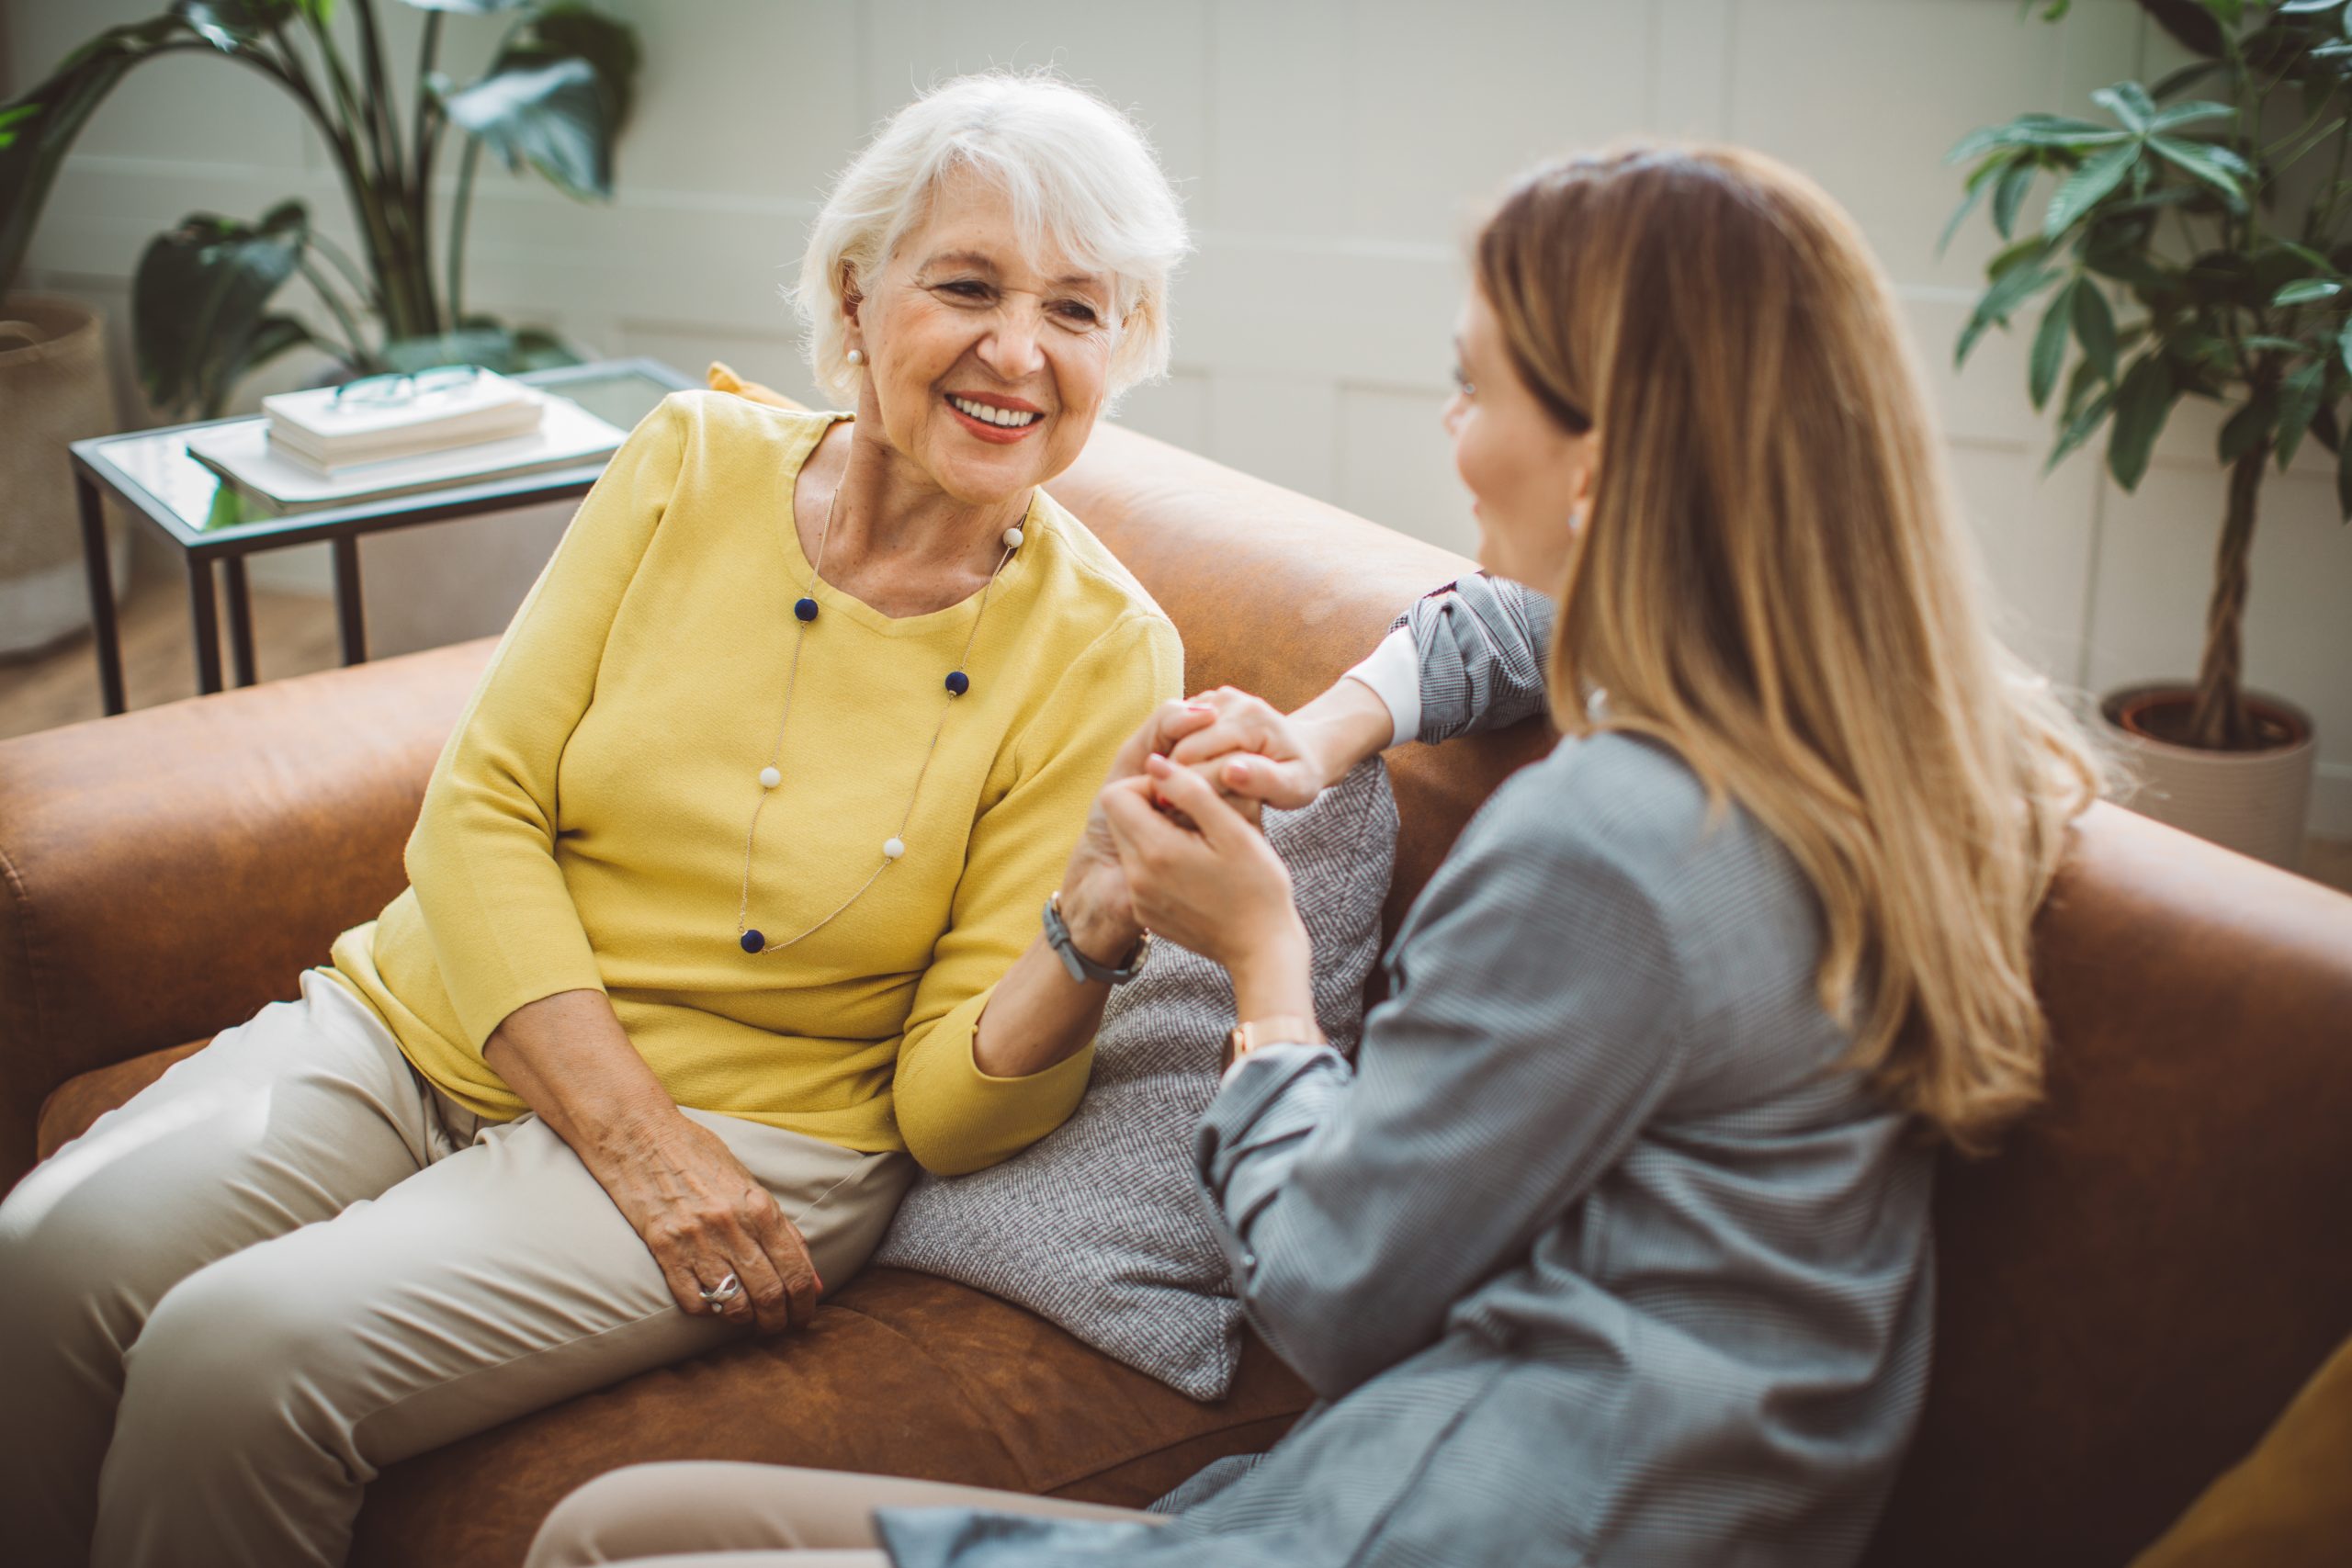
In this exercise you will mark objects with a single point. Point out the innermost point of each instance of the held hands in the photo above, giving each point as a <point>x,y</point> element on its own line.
<point>1256,752</point>
<point>1102,922</point>
<point>1212,883</point>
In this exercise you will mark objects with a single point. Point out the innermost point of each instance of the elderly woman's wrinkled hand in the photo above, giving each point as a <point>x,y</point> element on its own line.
<point>1095,892</point>
<point>723,1244</point>
<point>1197,872</point>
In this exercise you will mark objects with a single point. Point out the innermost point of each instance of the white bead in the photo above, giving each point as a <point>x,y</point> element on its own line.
<point>893,848</point>
<point>1013,538</point>
<point>855,357</point>
<point>770,778</point>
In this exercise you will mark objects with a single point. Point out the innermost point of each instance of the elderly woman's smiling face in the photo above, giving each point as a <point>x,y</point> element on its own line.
<point>984,365</point>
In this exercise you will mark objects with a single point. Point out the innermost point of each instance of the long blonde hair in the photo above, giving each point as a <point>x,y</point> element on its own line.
<point>1774,580</point>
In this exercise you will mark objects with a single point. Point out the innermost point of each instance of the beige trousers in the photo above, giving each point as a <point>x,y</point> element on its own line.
<point>289,1262</point>
<point>706,1515</point>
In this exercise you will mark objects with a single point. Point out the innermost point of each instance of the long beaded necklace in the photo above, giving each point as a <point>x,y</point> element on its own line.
<point>959,683</point>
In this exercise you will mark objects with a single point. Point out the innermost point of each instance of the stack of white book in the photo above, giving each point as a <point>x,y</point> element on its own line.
<point>310,450</point>
<point>384,418</point>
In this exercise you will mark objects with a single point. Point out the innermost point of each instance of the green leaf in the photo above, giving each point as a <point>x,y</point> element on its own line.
<point>2049,344</point>
<point>272,335</point>
<point>2344,346</point>
<point>2095,329</point>
<point>2142,405</point>
<point>234,26</point>
<point>43,122</point>
<point>2294,7</point>
<point>2217,166</point>
<point>2033,248</point>
<point>2129,103</point>
<point>2009,195</point>
<point>2036,130</point>
<point>2187,76</point>
<point>197,297</point>
<point>551,117</point>
<point>557,97</point>
<point>565,30</point>
<point>2295,406</point>
<point>2192,26</point>
<point>2083,189</point>
<point>1977,184</point>
<point>2250,426</point>
<point>2305,292</point>
<point>2004,297</point>
<point>2195,112</point>
<point>2276,344</point>
<point>467,7</point>
<point>2080,428</point>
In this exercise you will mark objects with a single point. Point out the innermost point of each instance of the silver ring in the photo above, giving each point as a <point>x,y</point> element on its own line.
<point>726,1290</point>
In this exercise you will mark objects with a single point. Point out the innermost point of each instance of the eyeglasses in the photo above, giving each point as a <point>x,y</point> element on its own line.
<point>406,386</point>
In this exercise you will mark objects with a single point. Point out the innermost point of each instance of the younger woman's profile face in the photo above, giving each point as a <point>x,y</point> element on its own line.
<point>1529,481</point>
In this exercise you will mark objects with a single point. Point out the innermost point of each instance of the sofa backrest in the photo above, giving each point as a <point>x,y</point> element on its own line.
<point>2127,1293</point>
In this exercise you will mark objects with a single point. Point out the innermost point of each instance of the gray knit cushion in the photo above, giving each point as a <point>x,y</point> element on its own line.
<point>1101,1227</point>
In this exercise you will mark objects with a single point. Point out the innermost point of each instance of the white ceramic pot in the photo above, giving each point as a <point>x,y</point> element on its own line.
<point>2252,802</point>
<point>53,391</point>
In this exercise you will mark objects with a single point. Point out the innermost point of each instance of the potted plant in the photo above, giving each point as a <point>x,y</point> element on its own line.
<point>2214,206</point>
<point>555,97</point>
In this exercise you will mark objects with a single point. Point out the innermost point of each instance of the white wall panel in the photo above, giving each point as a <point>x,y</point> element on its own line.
<point>1450,102</point>
<point>1175,409</point>
<point>1397,464</point>
<point>2036,539</point>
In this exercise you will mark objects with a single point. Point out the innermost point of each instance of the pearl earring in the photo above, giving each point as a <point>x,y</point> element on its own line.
<point>855,357</point>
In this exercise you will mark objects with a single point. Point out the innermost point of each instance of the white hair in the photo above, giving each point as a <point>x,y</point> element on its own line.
<point>1082,182</point>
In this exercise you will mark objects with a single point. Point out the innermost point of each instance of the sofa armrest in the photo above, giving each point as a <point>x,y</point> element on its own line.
<point>165,873</point>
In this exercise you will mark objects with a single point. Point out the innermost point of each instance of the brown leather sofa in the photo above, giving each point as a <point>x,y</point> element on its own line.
<point>2126,1294</point>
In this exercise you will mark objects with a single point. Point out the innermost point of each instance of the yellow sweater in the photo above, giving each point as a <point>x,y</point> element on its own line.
<point>585,825</point>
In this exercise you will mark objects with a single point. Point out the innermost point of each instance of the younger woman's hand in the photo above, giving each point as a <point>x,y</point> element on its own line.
<point>1256,751</point>
<point>1214,885</point>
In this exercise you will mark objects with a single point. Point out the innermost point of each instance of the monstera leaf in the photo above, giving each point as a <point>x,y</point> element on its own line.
<point>199,304</point>
<point>556,97</point>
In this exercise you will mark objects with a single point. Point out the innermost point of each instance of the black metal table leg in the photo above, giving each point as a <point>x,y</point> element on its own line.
<point>350,615</point>
<point>101,574</point>
<point>204,622</point>
<point>240,619</point>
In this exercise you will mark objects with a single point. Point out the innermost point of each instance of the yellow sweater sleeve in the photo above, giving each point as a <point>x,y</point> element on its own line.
<point>482,860</point>
<point>953,1117</point>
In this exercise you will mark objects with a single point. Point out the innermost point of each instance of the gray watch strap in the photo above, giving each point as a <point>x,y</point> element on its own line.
<point>1082,968</point>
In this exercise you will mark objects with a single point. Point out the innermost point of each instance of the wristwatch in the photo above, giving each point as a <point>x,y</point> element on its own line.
<point>1082,968</point>
<point>1282,1029</point>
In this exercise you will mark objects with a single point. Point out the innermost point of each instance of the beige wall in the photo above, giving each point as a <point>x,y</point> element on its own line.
<point>1331,152</point>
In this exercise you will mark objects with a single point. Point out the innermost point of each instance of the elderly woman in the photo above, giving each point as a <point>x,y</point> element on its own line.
<point>1612,1245</point>
<point>725,901</point>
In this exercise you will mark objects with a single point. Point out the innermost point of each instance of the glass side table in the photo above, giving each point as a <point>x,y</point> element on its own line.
<point>207,520</point>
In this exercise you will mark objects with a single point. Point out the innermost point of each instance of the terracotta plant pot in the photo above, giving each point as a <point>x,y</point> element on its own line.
<point>53,391</point>
<point>2252,801</point>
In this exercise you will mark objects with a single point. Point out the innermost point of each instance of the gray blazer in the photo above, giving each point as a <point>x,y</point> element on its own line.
<point>1595,1255</point>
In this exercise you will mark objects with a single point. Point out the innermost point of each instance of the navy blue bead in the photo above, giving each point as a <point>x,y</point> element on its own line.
<point>753,942</point>
<point>959,683</point>
<point>806,609</point>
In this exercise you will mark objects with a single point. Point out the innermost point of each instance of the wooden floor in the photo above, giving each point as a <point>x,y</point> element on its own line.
<point>294,634</point>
